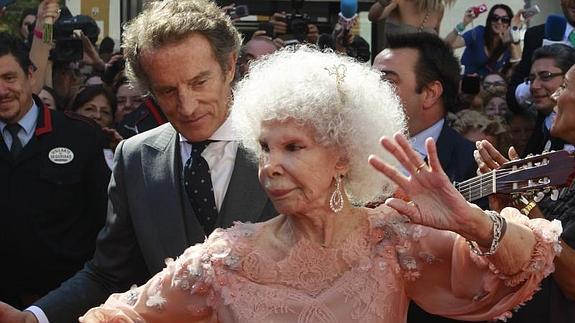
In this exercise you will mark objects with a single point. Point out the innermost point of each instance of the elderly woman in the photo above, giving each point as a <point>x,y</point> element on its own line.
<point>325,259</point>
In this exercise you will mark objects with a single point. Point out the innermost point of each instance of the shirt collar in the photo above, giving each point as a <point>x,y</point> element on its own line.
<point>549,120</point>
<point>28,121</point>
<point>568,30</point>
<point>224,133</point>
<point>418,141</point>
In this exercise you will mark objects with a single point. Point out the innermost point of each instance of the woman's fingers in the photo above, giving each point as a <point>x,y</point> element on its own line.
<point>397,151</point>
<point>391,172</point>
<point>413,157</point>
<point>432,157</point>
<point>409,209</point>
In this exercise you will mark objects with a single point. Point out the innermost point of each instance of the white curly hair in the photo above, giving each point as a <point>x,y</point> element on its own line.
<point>301,84</point>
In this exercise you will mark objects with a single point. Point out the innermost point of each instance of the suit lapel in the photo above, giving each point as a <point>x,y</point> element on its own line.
<point>161,160</point>
<point>445,148</point>
<point>245,200</point>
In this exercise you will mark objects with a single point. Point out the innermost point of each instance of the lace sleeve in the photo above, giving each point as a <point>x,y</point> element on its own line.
<point>180,292</point>
<point>444,277</point>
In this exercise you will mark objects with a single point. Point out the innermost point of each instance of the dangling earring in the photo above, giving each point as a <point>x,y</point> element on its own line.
<point>336,200</point>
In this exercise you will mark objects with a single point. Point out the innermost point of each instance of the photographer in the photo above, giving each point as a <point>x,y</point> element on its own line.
<point>344,41</point>
<point>488,48</point>
<point>294,27</point>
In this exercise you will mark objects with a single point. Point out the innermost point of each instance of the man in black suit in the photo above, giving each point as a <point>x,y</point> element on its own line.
<point>426,75</point>
<point>518,89</point>
<point>53,181</point>
<point>184,52</point>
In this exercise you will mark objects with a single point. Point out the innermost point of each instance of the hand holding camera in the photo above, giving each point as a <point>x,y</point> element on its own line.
<point>472,13</point>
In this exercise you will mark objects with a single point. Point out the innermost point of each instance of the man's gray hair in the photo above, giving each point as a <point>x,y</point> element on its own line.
<point>346,103</point>
<point>171,21</point>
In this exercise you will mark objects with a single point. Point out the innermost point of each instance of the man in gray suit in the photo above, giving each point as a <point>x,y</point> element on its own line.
<point>184,52</point>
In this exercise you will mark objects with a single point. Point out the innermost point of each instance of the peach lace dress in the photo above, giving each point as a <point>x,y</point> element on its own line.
<point>246,274</point>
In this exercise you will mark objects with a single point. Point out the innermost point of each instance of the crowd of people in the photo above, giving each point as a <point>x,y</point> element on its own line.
<point>245,178</point>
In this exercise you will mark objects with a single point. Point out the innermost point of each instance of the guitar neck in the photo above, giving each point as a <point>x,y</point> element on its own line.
<point>478,187</point>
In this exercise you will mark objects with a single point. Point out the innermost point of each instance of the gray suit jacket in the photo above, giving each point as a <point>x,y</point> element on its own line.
<point>149,219</point>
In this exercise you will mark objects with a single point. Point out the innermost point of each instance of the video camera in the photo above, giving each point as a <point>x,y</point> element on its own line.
<point>68,45</point>
<point>297,25</point>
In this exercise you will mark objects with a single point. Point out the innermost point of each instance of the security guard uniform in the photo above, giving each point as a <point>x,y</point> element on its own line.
<point>52,204</point>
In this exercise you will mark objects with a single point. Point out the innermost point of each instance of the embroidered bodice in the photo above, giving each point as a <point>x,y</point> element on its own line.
<point>246,274</point>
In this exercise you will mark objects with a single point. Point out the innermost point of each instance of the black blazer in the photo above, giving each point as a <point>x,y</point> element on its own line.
<point>50,212</point>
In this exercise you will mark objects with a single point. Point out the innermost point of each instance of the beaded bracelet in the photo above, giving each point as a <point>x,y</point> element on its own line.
<point>499,228</point>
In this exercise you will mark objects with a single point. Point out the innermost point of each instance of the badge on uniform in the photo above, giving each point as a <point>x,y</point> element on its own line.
<point>61,155</point>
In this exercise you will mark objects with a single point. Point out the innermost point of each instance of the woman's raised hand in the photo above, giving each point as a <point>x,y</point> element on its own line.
<point>434,200</point>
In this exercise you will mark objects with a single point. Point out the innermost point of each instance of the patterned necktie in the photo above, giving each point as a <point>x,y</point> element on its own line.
<point>198,183</point>
<point>16,147</point>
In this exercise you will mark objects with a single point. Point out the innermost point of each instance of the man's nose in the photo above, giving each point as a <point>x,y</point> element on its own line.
<point>187,101</point>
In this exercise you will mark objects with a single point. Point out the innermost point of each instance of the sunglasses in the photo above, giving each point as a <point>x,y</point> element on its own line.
<point>503,19</point>
<point>543,76</point>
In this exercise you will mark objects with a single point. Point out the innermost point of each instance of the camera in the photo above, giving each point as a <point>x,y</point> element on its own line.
<point>68,46</point>
<point>479,9</point>
<point>238,11</point>
<point>297,26</point>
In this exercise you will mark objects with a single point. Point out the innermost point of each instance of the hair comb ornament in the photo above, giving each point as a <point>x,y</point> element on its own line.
<point>339,72</point>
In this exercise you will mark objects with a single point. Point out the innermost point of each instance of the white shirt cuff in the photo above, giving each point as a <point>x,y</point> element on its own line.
<point>522,94</point>
<point>40,316</point>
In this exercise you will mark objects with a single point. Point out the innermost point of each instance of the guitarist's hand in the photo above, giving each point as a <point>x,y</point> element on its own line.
<point>488,158</point>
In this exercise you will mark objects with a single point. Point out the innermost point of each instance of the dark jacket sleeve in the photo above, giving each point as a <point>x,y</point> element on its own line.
<point>117,261</point>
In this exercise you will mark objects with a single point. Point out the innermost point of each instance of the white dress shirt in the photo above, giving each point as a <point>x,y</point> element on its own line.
<point>418,141</point>
<point>220,156</point>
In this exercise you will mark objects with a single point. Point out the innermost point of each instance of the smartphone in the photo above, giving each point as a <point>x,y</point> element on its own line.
<point>479,9</point>
<point>470,84</point>
<point>6,3</point>
<point>268,27</point>
<point>530,12</point>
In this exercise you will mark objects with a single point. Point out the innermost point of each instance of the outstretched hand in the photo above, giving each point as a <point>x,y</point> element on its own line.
<point>434,200</point>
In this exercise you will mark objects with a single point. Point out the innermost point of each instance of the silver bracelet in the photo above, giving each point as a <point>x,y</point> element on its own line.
<point>499,228</point>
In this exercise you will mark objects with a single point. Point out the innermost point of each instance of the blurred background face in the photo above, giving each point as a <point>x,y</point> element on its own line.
<point>494,83</point>
<point>47,99</point>
<point>99,110</point>
<point>475,134</point>
<point>499,21</point>
<point>544,79</point>
<point>496,106</point>
<point>568,7</point>
<point>521,129</point>
<point>26,23</point>
<point>128,100</point>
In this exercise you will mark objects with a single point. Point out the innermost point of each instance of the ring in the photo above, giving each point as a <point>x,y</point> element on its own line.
<point>420,167</point>
<point>411,203</point>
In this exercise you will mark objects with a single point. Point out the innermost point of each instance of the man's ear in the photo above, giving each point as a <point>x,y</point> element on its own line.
<point>231,68</point>
<point>30,75</point>
<point>342,165</point>
<point>432,94</point>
